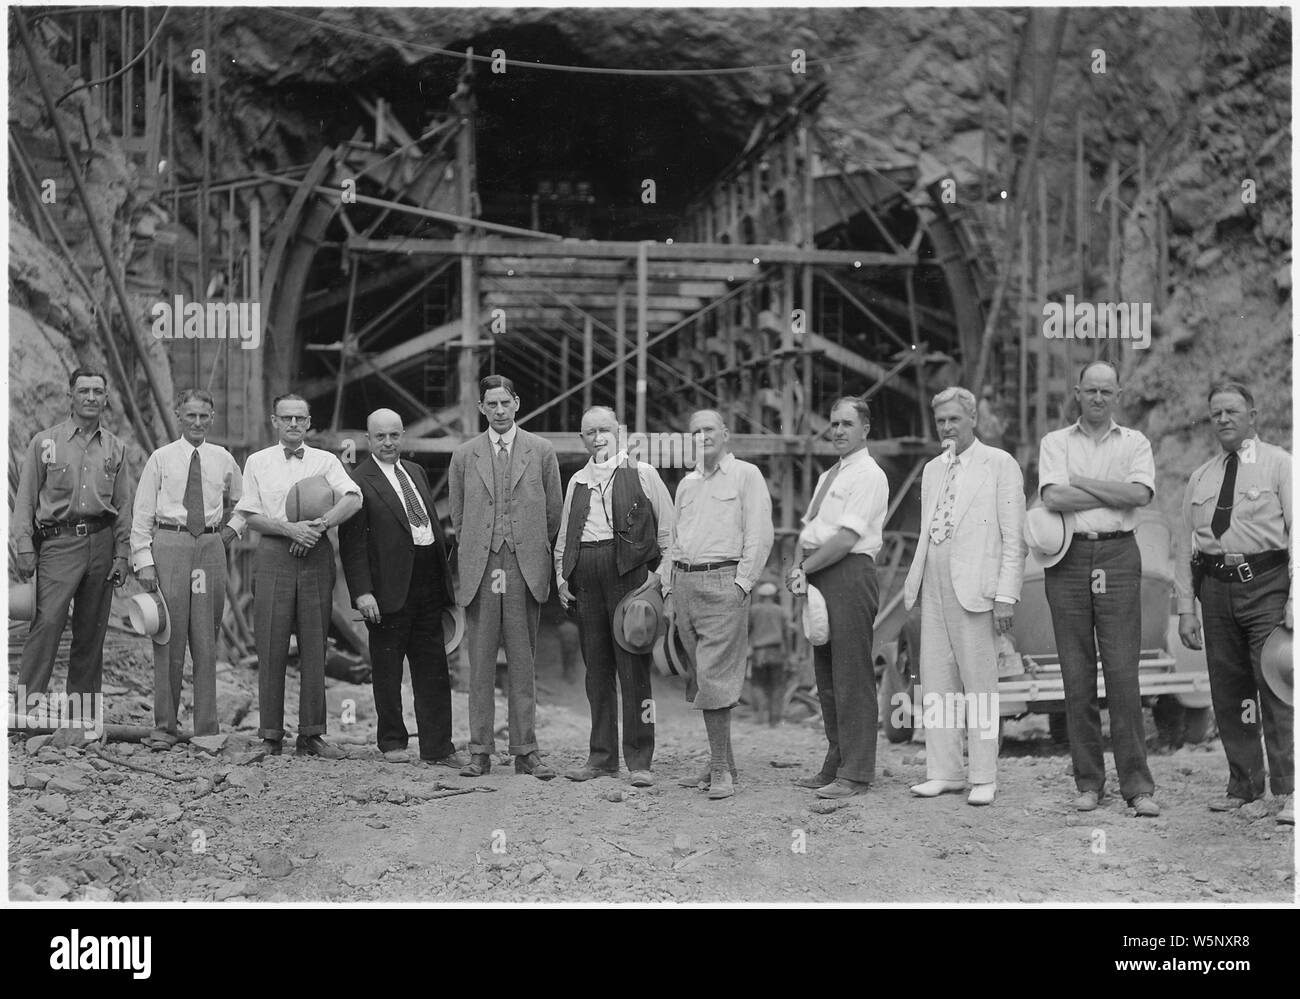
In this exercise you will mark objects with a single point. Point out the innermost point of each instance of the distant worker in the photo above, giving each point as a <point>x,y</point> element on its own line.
<point>721,540</point>
<point>1234,558</point>
<point>967,574</point>
<point>1096,474</point>
<point>293,574</point>
<point>504,490</point>
<point>72,527</point>
<point>616,525</point>
<point>183,524</point>
<point>842,534</point>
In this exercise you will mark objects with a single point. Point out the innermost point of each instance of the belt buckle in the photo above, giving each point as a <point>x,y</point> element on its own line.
<point>81,530</point>
<point>1245,573</point>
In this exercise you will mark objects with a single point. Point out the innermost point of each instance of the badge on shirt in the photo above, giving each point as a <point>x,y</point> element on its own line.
<point>1252,493</point>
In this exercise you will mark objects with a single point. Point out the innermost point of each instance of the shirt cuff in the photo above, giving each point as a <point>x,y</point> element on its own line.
<point>1007,599</point>
<point>856,524</point>
<point>745,584</point>
<point>1186,605</point>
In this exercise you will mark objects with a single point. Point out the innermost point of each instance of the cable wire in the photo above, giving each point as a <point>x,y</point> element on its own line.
<point>556,67</point>
<point>140,55</point>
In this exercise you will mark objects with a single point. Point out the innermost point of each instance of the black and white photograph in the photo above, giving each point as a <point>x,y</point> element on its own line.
<point>569,456</point>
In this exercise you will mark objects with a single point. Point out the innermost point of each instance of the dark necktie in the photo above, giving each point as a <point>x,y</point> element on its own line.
<point>194,518</point>
<point>292,452</point>
<point>1223,508</point>
<point>821,493</point>
<point>413,512</point>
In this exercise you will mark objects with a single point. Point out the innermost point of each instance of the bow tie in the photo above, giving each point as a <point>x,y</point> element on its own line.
<point>291,452</point>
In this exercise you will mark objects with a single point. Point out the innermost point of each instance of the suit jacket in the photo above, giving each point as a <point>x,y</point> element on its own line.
<point>536,502</point>
<point>988,551</point>
<point>375,544</point>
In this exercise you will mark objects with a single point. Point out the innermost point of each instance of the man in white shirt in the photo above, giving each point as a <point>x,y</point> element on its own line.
<point>843,532</point>
<point>182,525</point>
<point>721,540</point>
<point>617,522</point>
<point>293,573</point>
<point>1101,473</point>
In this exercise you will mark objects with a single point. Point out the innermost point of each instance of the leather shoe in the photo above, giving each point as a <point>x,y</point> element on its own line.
<point>934,788</point>
<point>815,781</point>
<point>588,773</point>
<point>842,787</point>
<point>982,794</point>
<point>531,764</point>
<point>272,747</point>
<point>314,745</point>
<point>1145,806</point>
<point>397,756</point>
<point>1287,815</point>
<point>721,785</point>
<point>642,778</point>
<point>480,764</point>
<point>453,762</point>
<point>699,780</point>
<point>1087,801</point>
<point>1228,803</point>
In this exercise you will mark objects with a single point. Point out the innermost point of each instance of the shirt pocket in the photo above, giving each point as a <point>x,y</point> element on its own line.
<point>1256,503</point>
<point>106,476</point>
<point>59,479</point>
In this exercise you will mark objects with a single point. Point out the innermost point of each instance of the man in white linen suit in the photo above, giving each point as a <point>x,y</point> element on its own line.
<point>968,569</point>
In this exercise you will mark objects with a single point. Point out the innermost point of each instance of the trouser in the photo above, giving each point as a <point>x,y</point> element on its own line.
<point>597,587</point>
<point>712,616</point>
<point>1095,593</point>
<point>1238,618</point>
<point>846,676</point>
<point>958,657</point>
<point>503,610</point>
<point>192,580</point>
<point>414,633</point>
<point>70,569</point>
<point>291,595</point>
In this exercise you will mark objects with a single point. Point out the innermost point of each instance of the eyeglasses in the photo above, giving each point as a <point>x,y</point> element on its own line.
<point>293,419</point>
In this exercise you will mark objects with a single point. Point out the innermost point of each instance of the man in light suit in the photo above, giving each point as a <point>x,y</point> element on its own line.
<point>506,500</point>
<point>395,562</point>
<point>967,572</point>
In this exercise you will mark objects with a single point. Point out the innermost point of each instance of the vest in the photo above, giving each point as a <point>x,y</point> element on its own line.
<point>502,530</point>
<point>635,527</point>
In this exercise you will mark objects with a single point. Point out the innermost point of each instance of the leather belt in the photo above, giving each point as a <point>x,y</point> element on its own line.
<point>1103,535</point>
<point>1233,567</point>
<point>596,544</point>
<point>182,529</point>
<point>706,566</point>
<point>81,528</point>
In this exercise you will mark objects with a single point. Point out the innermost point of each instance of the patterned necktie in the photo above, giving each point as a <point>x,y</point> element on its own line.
<point>194,519</point>
<point>1223,508</point>
<point>502,451</point>
<point>413,512</point>
<point>941,527</point>
<point>292,452</point>
<point>821,493</point>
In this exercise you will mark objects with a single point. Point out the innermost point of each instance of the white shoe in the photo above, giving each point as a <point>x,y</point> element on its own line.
<point>982,794</point>
<point>1287,815</point>
<point>934,788</point>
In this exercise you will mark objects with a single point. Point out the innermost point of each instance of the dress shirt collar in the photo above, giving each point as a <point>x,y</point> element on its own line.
<point>858,457</point>
<point>1246,453</point>
<point>947,457</point>
<point>74,428</point>
<point>1078,427</point>
<point>724,466</point>
<point>508,438</point>
<point>599,473</point>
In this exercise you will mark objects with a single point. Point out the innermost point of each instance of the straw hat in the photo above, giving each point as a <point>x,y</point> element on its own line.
<point>148,614</point>
<point>1048,534</point>
<point>1277,663</point>
<point>816,619</point>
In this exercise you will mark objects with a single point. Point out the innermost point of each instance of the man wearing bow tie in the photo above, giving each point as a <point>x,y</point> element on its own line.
<point>395,561</point>
<point>1234,557</point>
<point>293,573</point>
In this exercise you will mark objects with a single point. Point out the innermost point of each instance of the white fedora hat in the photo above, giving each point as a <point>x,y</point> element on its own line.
<point>1277,663</point>
<point>453,627</point>
<point>816,619</point>
<point>148,614</point>
<point>1048,534</point>
<point>22,600</point>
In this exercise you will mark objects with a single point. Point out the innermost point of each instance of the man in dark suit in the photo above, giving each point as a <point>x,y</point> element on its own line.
<point>505,496</point>
<point>395,563</point>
